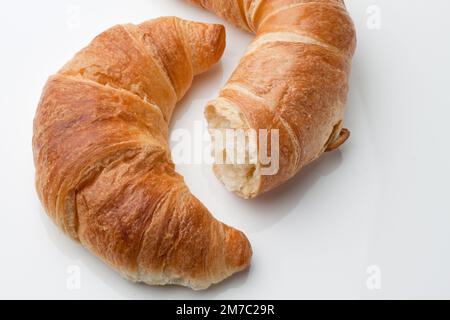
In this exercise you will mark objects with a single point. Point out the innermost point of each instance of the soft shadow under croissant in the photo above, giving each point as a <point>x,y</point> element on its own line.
<point>103,167</point>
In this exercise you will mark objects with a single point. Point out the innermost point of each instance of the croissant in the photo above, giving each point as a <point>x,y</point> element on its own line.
<point>293,80</point>
<point>103,167</point>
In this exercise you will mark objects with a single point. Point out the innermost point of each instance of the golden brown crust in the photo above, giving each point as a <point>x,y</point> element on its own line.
<point>294,77</point>
<point>103,167</point>
<point>234,11</point>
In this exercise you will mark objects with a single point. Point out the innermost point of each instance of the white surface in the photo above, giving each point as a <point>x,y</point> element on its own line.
<point>381,201</point>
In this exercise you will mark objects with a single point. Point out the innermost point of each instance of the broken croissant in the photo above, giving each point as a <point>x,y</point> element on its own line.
<point>103,168</point>
<point>293,78</point>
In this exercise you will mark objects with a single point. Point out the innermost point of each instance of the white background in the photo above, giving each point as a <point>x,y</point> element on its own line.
<point>380,204</point>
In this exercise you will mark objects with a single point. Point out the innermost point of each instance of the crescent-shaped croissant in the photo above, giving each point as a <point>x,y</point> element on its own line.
<point>293,79</point>
<point>103,168</point>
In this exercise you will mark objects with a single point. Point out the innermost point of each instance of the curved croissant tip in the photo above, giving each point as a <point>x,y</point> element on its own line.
<point>219,39</point>
<point>207,42</point>
<point>238,251</point>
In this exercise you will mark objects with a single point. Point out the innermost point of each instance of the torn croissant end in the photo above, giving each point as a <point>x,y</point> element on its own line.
<point>242,179</point>
<point>294,78</point>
